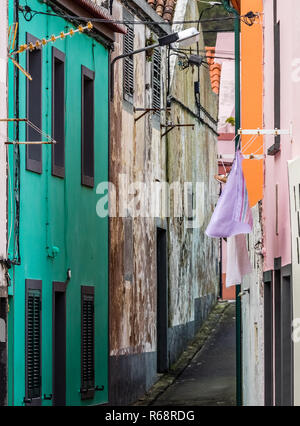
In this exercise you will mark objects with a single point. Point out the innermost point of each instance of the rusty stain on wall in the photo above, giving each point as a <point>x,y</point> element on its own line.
<point>138,150</point>
<point>192,157</point>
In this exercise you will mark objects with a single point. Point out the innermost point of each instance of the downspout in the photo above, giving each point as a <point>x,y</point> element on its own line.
<point>16,215</point>
<point>237,29</point>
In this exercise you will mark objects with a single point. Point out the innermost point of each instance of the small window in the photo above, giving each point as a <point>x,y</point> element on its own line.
<point>156,76</point>
<point>87,342</point>
<point>128,62</point>
<point>87,127</point>
<point>189,200</point>
<point>58,112</point>
<point>33,381</point>
<point>34,107</point>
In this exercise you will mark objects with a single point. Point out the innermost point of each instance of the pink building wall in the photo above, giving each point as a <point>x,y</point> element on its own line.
<point>276,171</point>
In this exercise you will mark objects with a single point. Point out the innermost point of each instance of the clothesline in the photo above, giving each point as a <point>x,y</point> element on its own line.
<point>37,129</point>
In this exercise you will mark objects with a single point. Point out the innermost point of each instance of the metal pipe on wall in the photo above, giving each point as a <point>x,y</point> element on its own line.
<point>237,28</point>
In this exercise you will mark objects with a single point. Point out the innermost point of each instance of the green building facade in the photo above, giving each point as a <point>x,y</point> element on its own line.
<point>58,246</point>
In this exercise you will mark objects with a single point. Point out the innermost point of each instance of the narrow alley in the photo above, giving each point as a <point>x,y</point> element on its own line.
<point>208,377</point>
<point>149,205</point>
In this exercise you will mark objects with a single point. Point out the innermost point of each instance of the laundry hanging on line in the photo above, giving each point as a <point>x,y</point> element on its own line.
<point>238,263</point>
<point>232,215</point>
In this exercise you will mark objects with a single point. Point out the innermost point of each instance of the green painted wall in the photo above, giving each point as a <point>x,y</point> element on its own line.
<point>69,209</point>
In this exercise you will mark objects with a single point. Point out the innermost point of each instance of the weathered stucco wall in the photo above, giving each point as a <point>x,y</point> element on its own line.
<point>137,152</point>
<point>253,318</point>
<point>192,157</point>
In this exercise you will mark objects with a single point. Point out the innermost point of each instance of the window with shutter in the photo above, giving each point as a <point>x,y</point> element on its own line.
<point>33,341</point>
<point>87,343</point>
<point>58,112</point>
<point>156,76</point>
<point>128,62</point>
<point>87,127</point>
<point>34,107</point>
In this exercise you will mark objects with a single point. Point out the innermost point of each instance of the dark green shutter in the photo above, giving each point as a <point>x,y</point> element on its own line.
<point>34,107</point>
<point>33,340</point>
<point>156,88</point>
<point>128,62</point>
<point>87,343</point>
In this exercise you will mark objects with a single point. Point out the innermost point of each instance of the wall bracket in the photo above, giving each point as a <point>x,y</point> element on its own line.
<point>272,132</point>
<point>172,126</point>
<point>147,110</point>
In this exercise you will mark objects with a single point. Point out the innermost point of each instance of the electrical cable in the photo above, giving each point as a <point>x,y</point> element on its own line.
<point>29,14</point>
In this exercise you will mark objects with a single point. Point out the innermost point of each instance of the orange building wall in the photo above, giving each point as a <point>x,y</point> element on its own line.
<point>227,293</point>
<point>252,97</point>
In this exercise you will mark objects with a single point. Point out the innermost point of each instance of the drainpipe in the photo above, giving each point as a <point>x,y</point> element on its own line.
<point>237,28</point>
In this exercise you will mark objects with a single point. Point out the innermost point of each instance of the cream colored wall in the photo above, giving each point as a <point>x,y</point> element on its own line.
<point>253,319</point>
<point>137,151</point>
<point>192,157</point>
<point>294,181</point>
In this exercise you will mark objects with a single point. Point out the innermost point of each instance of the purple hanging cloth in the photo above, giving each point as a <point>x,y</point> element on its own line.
<point>232,215</point>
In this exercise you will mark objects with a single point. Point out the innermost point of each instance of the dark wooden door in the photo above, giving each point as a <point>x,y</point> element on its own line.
<point>59,344</point>
<point>162,302</point>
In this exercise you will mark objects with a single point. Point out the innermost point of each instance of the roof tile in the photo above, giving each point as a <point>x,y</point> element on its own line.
<point>164,8</point>
<point>214,69</point>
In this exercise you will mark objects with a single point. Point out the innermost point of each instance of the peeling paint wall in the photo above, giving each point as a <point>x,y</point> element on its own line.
<point>253,318</point>
<point>192,157</point>
<point>138,151</point>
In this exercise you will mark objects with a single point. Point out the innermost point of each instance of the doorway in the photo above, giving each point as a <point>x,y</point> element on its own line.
<point>286,342</point>
<point>162,301</point>
<point>59,344</point>
<point>268,337</point>
<point>277,320</point>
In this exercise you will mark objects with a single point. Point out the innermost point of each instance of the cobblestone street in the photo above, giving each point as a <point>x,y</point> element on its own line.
<point>206,376</point>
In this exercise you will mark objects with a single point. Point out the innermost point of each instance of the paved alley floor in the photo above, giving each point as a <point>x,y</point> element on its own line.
<point>208,378</point>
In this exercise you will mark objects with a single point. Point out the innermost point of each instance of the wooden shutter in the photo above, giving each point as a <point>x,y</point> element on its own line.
<point>34,107</point>
<point>128,63</point>
<point>58,112</point>
<point>87,343</point>
<point>33,380</point>
<point>156,76</point>
<point>87,127</point>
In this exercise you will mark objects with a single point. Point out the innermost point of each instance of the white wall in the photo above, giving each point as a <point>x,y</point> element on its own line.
<point>253,321</point>
<point>3,131</point>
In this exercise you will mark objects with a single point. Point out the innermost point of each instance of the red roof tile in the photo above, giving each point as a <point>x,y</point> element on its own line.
<point>164,8</point>
<point>236,4</point>
<point>214,69</point>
